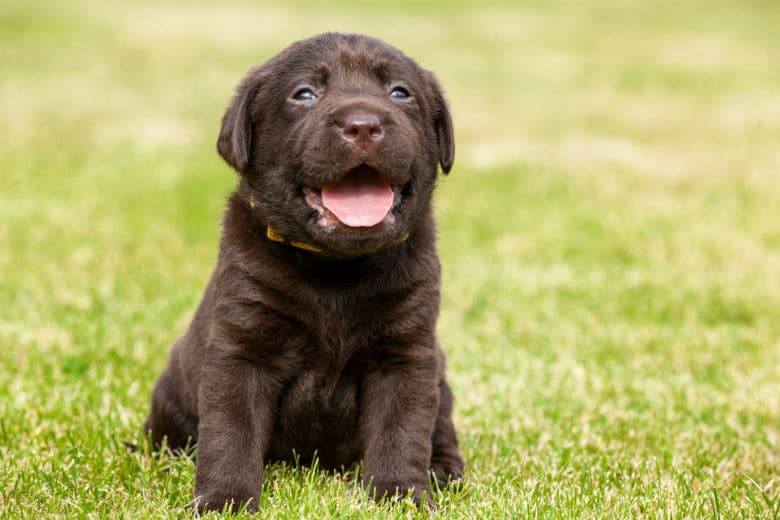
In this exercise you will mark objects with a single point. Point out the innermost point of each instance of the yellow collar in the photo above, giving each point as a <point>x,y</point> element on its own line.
<point>276,237</point>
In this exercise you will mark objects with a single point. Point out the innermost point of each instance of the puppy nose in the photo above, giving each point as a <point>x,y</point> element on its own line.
<point>362,129</point>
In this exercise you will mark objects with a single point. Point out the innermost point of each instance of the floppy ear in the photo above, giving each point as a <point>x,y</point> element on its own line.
<point>235,138</point>
<point>445,136</point>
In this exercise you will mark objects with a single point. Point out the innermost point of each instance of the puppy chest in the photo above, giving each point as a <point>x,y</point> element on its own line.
<point>320,407</point>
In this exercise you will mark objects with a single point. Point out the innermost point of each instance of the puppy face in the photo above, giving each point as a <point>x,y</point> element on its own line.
<point>338,139</point>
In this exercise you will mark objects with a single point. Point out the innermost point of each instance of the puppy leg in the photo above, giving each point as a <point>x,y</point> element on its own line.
<point>169,418</point>
<point>446,461</point>
<point>236,405</point>
<point>398,412</point>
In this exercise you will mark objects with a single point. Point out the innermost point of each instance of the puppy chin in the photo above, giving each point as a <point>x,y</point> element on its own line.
<point>341,240</point>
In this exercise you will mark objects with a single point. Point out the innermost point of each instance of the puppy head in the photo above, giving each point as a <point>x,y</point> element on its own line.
<point>338,139</point>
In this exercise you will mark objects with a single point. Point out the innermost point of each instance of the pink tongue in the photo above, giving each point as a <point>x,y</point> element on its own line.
<point>361,199</point>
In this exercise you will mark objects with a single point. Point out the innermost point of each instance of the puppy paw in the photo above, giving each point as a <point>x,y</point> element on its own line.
<point>420,493</point>
<point>204,504</point>
<point>447,470</point>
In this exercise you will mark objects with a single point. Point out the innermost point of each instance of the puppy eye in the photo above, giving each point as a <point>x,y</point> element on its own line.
<point>305,94</point>
<point>399,93</point>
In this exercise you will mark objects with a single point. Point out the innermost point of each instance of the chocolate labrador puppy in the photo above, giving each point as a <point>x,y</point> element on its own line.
<point>317,331</point>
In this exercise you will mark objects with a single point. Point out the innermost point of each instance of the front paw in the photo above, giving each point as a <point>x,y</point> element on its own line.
<point>222,503</point>
<point>447,470</point>
<point>419,492</point>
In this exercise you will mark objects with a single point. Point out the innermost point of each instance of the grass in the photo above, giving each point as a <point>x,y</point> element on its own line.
<point>610,239</point>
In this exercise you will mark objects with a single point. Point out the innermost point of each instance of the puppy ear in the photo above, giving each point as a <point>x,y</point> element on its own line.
<point>445,134</point>
<point>235,138</point>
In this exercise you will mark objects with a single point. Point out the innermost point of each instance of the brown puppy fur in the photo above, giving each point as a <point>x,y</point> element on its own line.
<point>330,351</point>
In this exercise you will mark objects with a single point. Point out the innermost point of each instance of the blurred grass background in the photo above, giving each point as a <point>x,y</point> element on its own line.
<point>609,234</point>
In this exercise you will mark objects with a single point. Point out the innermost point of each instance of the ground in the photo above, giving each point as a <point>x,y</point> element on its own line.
<point>609,235</point>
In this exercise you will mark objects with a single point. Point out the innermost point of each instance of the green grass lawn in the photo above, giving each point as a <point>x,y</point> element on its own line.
<point>610,236</point>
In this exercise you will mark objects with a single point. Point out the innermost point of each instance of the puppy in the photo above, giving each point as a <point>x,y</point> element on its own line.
<point>317,331</point>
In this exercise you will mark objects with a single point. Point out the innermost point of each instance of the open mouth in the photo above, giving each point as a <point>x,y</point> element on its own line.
<point>361,198</point>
